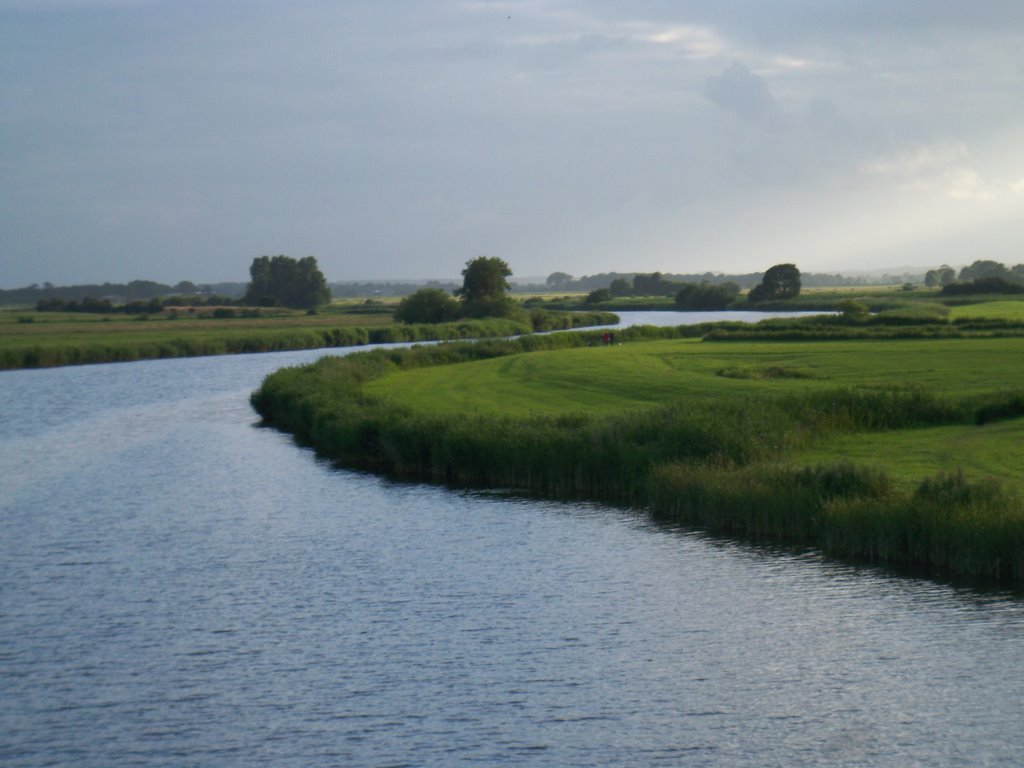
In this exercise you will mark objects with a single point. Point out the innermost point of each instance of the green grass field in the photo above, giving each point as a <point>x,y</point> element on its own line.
<point>1007,309</point>
<point>30,339</point>
<point>654,372</point>
<point>607,380</point>
<point>45,338</point>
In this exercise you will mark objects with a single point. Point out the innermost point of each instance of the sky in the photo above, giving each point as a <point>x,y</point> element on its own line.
<point>178,140</point>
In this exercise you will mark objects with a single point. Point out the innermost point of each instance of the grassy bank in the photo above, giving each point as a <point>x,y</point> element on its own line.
<point>30,339</point>
<point>753,438</point>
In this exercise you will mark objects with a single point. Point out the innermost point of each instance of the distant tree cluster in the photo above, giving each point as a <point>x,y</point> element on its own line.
<point>981,276</point>
<point>116,293</point>
<point>780,282</point>
<point>983,285</point>
<point>935,278</point>
<point>100,306</point>
<point>286,282</point>
<point>643,283</point>
<point>390,288</point>
<point>484,293</point>
<point>137,307</point>
<point>665,284</point>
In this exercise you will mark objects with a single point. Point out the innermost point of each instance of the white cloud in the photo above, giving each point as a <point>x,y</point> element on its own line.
<point>967,184</point>
<point>918,160</point>
<point>692,41</point>
<point>943,168</point>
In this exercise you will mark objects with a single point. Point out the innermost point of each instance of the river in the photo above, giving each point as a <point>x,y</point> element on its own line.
<point>179,586</point>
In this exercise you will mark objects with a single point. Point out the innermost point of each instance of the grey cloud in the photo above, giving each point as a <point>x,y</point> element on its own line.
<point>740,91</point>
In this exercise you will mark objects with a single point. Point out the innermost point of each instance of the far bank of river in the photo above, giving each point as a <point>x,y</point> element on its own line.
<point>87,341</point>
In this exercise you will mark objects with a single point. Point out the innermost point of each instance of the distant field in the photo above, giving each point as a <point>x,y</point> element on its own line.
<point>48,328</point>
<point>83,337</point>
<point>31,339</point>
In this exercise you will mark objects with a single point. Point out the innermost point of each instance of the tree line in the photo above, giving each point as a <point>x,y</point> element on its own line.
<point>781,281</point>
<point>982,276</point>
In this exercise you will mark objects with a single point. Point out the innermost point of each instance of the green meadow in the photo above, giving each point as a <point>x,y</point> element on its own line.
<point>893,450</point>
<point>692,373</point>
<point>39,339</point>
<point>1001,309</point>
<point>625,376</point>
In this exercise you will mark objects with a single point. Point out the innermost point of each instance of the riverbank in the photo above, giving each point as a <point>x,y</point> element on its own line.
<point>30,339</point>
<point>732,437</point>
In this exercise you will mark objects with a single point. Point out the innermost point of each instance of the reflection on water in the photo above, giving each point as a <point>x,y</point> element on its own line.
<point>178,586</point>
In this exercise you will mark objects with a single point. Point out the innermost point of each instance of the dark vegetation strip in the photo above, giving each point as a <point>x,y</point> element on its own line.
<point>84,350</point>
<point>716,465</point>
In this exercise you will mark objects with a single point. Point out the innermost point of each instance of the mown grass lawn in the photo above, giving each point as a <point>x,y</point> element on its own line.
<point>641,375</point>
<point>593,379</point>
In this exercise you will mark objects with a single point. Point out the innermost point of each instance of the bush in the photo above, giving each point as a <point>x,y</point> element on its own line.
<point>853,310</point>
<point>705,296</point>
<point>427,305</point>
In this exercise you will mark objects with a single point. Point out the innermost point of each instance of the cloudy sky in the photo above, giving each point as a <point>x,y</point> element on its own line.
<point>178,139</point>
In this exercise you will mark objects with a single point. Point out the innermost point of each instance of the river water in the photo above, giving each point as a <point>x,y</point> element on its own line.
<point>179,586</point>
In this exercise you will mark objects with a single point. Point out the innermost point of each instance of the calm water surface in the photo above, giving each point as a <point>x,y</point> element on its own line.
<point>181,587</point>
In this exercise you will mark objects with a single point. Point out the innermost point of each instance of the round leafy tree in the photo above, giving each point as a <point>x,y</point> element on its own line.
<point>780,282</point>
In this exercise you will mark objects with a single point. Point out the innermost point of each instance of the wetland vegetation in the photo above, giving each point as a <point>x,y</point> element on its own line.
<point>888,439</point>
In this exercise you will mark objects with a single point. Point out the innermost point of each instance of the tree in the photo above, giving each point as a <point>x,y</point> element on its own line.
<point>598,296</point>
<point>705,296</point>
<point>983,268</point>
<point>427,305</point>
<point>484,290</point>
<point>484,278</point>
<point>653,284</point>
<point>944,275</point>
<point>780,282</point>
<point>559,281</point>
<point>620,287</point>
<point>287,282</point>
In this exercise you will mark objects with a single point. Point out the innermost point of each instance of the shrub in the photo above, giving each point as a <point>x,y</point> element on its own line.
<point>427,305</point>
